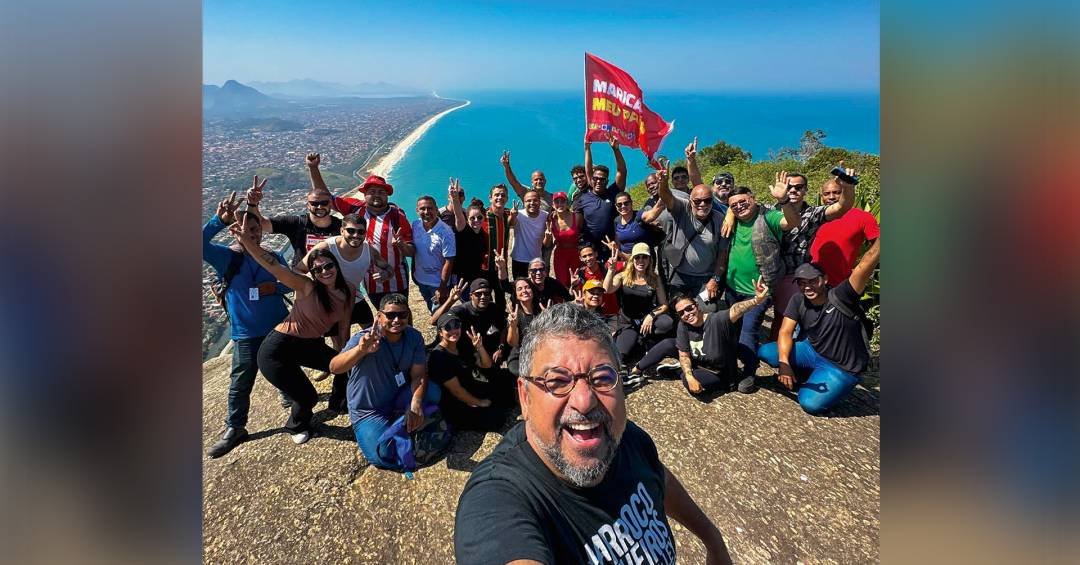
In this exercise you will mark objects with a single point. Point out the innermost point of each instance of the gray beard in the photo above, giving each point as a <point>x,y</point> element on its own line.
<point>583,476</point>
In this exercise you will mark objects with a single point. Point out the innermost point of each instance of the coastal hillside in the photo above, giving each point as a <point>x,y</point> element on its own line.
<point>781,485</point>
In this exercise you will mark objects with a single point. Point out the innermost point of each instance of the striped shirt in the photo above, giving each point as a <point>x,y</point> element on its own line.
<point>380,234</point>
<point>497,228</point>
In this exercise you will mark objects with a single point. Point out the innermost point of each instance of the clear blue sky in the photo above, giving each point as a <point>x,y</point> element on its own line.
<point>808,45</point>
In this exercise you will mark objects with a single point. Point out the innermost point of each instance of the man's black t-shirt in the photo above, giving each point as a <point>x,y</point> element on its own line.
<point>513,507</point>
<point>303,234</point>
<point>489,323</point>
<point>712,346</point>
<point>833,334</point>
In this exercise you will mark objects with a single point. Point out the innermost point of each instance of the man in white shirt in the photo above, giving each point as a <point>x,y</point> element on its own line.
<point>528,234</point>
<point>433,259</point>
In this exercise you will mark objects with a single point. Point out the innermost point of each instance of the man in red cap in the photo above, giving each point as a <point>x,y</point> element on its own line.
<point>388,228</point>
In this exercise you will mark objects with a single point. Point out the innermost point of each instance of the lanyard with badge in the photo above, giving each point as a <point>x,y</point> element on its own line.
<point>399,377</point>
<point>253,292</point>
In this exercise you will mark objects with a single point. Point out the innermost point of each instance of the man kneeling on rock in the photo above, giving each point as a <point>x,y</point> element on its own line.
<point>387,368</point>
<point>833,347</point>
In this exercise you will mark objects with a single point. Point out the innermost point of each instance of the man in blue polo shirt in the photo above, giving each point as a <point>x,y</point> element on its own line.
<point>597,205</point>
<point>255,303</point>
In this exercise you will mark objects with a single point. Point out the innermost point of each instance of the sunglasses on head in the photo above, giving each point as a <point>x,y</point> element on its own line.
<point>355,231</point>
<point>318,269</point>
<point>318,203</point>
<point>393,315</point>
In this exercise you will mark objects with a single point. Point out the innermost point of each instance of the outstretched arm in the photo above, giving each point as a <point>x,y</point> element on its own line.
<point>588,160</point>
<point>679,505</point>
<point>511,178</point>
<point>317,184</point>
<point>620,163</point>
<point>847,197</point>
<point>455,205</point>
<point>301,284</point>
<point>761,294</point>
<point>779,190</point>
<point>862,272</point>
<point>663,191</point>
<point>691,163</point>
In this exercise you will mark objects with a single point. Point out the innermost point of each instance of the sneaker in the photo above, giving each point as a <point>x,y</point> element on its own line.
<point>747,385</point>
<point>633,381</point>
<point>285,402</point>
<point>668,370</point>
<point>230,439</point>
<point>300,438</point>
<point>321,376</point>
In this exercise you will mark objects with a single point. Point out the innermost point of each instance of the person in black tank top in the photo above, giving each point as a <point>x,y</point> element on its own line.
<point>643,320</point>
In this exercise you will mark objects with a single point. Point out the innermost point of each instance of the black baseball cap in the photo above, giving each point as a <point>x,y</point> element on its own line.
<point>447,318</point>
<point>808,271</point>
<point>479,284</point>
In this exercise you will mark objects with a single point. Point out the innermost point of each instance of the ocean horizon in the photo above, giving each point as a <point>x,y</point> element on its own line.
<point>543,130</point>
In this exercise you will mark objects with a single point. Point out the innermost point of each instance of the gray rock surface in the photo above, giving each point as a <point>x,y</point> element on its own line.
<point>782,486</point>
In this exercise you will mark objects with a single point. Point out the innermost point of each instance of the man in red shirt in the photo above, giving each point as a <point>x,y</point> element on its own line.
<point>837,243</point>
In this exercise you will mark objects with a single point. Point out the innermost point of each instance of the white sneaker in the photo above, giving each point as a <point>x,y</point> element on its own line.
<point>300,438</point>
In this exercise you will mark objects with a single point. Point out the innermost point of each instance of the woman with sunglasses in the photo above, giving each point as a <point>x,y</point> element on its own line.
<point>357,258</point>
<point>468,405</point>
<point>564,232</point>
<point>320,303</point>
<point>706,344</point>
<point>633,226</point>
<point>643,319</point>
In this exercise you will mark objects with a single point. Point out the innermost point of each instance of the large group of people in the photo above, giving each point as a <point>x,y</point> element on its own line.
<point>688,277</point>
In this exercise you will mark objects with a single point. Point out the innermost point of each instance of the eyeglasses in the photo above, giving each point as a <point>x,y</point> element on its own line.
<point>318,203</point>
<point>318,269</point>
<point>700,201</point>
<point>452,325</point>
<point>481,293</point>
<point>537,270</point>
<point>625,204</point>
<point>796,186</point>
<point>739,205</point>
<point>559,381</point>
<point>355,231</point>
<point>595,291</point>
<point>723,182</point>
<point>687,309</point>
<point>395,314</point>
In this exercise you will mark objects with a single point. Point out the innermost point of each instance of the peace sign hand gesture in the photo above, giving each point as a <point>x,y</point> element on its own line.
<point>505,159</point>
<point>579,297</point>
<point>545,306</point>
<point>455,291</point>
<point>761,290</point>
<point>575,279</point>
<point>397,242</point>
<point>369,342</point>
<point>227,207</point>
<point>475,337</point>
<point>613,141</point>
<point>255,193</point>
<point>512,317</point>
<point>779,188</point>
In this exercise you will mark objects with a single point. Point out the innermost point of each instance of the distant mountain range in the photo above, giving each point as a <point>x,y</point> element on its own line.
<point>309,88</point>
<point>233,96</point>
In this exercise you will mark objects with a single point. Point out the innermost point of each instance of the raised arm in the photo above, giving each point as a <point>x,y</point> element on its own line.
<point>299,283</point>
<point>847,197</point>
<point>451,300</point>
<point>620,163</point>
<point>862,272</point>
<point>691,163</point>
<point>512,337</point>
<point>679,505</point>
<point>511,178</point>
<point>218,255</point>
<point>253,196</point>
<point>779,190</point>
<point>612,281</point>
<point>588,161</point>
<point>784,342</point>
<point>761,294</point>
<point>455,206</point>
<point>317,183</point>
<point>651,215</point>
<point>662,190</point>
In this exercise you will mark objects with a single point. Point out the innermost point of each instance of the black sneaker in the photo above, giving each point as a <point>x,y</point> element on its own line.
<point>747,385</point>
<point>633,381</point>
<point>230,439</point>
<point>669,371</point>
<point>285,402</point>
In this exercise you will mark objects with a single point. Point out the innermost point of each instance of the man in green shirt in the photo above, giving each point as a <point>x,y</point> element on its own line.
<point>755,252</point>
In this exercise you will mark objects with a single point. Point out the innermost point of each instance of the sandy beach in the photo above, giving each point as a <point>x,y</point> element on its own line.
<point>386,164</point>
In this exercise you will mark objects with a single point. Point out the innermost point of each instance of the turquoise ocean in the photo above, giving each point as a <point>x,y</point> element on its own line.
<point>543,130</point>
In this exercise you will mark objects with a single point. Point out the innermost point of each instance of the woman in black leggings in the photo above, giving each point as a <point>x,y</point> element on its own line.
<point>643,318</point>
<point>298,340</point>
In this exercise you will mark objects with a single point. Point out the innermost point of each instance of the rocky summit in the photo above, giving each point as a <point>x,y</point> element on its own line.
<point>782,486</point>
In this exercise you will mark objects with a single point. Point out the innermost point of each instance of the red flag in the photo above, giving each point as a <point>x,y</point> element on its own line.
<point>614,104</point>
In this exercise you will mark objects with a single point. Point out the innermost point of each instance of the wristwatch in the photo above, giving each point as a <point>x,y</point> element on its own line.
<point>718,279</point>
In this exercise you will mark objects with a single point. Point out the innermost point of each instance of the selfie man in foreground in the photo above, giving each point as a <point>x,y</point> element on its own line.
<point>576,482</point>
